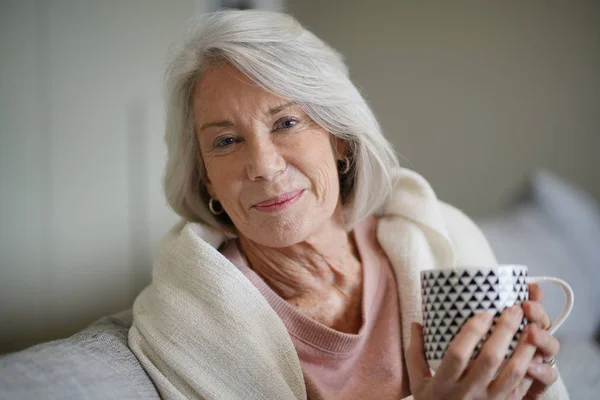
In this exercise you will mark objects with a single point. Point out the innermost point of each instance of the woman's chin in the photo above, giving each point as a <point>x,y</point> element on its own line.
<point>279,233</point>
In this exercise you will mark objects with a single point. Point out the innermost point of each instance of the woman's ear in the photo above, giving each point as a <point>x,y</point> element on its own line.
<point>340,148</point>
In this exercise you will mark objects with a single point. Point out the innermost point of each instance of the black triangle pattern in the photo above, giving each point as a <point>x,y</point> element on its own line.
<point>451,297</point>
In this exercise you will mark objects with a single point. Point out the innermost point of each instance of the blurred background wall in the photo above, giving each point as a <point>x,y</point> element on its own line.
<point>474,95</point>
<point>81,158</point>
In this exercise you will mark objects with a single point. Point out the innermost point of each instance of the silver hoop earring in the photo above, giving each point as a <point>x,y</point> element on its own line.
<point>211,207</point>
<point>345,166</point>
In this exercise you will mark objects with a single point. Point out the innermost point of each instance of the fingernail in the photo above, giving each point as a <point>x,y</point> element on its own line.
<point>516,311</point>
<point>488,316</point>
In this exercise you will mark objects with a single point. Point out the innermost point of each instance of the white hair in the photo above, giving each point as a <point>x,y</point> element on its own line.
<point>277,53</point>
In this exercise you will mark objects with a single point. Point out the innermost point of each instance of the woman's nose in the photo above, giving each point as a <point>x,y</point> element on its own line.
<point>264,160</point>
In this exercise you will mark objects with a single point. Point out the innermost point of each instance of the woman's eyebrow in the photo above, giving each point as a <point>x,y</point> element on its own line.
<point>278,109</point>
<point>228,124</point>
<point>218,124</point>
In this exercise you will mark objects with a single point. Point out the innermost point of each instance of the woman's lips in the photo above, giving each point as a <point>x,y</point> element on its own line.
<point>280,202</point>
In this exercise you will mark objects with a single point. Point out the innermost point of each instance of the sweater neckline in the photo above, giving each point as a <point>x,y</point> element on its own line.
<point>306,329</point>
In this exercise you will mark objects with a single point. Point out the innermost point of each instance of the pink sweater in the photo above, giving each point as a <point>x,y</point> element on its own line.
<point>337,365</point>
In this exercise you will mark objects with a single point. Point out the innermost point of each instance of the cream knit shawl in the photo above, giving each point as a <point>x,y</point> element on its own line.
<point>201,330</point>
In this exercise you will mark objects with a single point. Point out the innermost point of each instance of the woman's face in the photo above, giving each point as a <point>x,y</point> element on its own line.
<point>269,165</point>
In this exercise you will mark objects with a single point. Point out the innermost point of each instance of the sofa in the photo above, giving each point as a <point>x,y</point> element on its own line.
<point>93,364</point>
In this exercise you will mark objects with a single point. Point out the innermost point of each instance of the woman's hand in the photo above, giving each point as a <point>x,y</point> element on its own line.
<point>547,346</point>
<point>486,377</point>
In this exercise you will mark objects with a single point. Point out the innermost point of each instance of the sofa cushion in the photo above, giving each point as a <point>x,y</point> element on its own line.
<point>555,232</point>
<point>575,216</point>
<point>579,365</point>
<point>92,364</point>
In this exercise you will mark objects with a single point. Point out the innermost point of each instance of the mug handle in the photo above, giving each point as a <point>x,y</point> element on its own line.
<point>569,297</point>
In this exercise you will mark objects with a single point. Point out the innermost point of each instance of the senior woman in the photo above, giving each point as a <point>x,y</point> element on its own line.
<point>294,273</point>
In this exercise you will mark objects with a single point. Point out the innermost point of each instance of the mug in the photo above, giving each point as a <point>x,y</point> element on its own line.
<point>451,296</point>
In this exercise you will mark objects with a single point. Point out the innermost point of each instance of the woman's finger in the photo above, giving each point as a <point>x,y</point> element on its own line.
<point>543,376</point>
<point>546,344</point>
<point>416,363</point>
<point>521,390</point>
<point>535,312</point>
<point>543,373</point>
<point>494,350</point>
<point>515,369</point>
<point>459,351</point>
<point>535,292</point>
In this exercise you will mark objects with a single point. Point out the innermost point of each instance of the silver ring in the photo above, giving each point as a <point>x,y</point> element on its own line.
<point>551,362</point>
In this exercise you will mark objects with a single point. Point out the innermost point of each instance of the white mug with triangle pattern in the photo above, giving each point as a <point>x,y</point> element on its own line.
<point>451,296</point>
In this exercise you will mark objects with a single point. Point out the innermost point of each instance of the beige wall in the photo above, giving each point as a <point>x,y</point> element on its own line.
<point>81,159</point>
<point>476,94</point>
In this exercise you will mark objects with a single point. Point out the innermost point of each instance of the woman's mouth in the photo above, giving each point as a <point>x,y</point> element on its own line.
<point>279,203</point>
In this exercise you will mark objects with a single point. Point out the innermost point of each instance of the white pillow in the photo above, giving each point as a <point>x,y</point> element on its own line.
<point>554,234</point>
<point>575,216</point>
<point>579,364</point>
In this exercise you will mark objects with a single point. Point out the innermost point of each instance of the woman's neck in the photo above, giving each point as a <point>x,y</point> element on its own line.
<point>320,276</point>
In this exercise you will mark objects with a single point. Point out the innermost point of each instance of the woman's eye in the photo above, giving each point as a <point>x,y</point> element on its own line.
<point>224,142</point>
<point>286,123</point>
